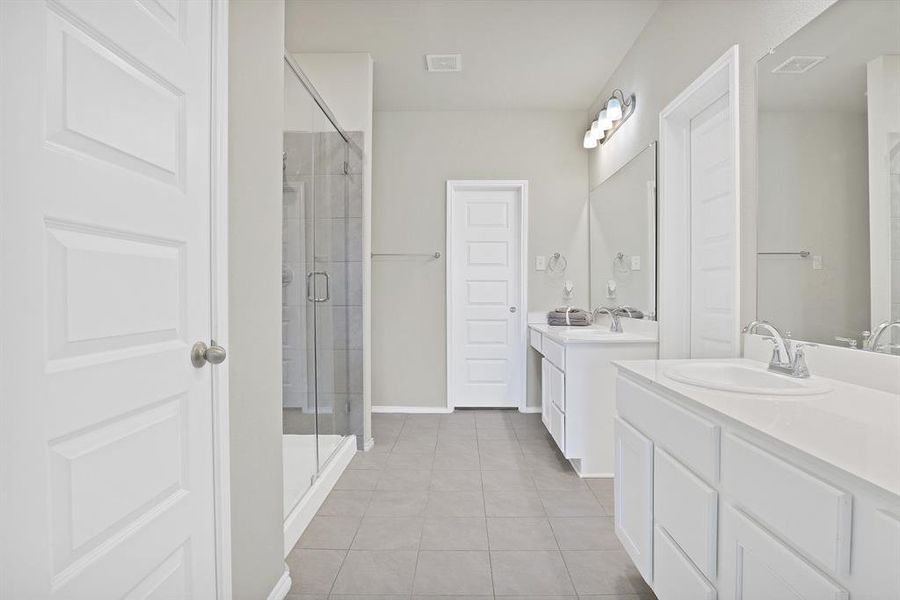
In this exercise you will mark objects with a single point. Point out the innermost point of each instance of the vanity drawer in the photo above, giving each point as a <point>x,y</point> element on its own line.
<point>687,509</point>
<point>556,387</point>
<point>535,339</point>
<point>554,352</point>
<point>674,577</point>
<point>688,437</point>
<point>807,512</point>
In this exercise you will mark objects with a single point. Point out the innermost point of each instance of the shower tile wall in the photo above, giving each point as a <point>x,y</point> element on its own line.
<point>315,166</point>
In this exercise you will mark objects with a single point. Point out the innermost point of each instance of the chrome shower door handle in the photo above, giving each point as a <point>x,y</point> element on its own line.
<point>327,287</point>
<point>309,294</point>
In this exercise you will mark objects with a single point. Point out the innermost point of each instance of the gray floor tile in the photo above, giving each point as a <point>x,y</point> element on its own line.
<point>573,503</point>
<point>358,479</point>
<point>530,573</point>
<point>453,572</point>
<point>367,597</point>
<point>520,533</point>
<point>345,503</point>
<point>314,571</point>
<point>507,480</point>
<point>516,503</point>
<point>413,447</point>
<point>368,460</point>
<point>495,433</point>
<point>585,533</point>
<point>397,504</point>
<point>558,480</point>
<point>505,461</point>
<point>456,480</point>
<point>388,533</point>
<point>329,533</point>
<point>376,572</point>
<point>456,444</point>
<point>603,490</point>
<point>405,480</point>
<point>456,460</point>
<point>455,504</point>
<point>602,572</point>
<point>409,461</point>
<point>454,533</point>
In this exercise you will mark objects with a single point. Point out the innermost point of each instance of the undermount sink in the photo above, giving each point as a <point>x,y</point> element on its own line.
<point>744,380</point>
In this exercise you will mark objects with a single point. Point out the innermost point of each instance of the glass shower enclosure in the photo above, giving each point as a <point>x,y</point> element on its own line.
<point>321,285</point>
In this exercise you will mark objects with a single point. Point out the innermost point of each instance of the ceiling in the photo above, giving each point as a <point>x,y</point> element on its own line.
<point>849,34</point>
<point>516,54</point>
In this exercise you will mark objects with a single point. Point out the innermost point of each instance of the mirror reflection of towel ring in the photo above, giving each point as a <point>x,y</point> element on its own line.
<point>557,263</point>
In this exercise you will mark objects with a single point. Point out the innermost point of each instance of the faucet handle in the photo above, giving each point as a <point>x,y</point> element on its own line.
<point>798,362</point>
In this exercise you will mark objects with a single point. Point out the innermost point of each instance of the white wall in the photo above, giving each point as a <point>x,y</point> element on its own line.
<point>813,195</point>
<point>255,113</point>
<point>415,153</point>
<point>677,44</point>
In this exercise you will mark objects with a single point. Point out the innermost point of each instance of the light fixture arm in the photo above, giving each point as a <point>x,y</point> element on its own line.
<point>627,110</point>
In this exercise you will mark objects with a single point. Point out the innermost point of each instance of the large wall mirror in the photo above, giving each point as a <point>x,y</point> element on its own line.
<point>623,238</point>
<point>828,233</point>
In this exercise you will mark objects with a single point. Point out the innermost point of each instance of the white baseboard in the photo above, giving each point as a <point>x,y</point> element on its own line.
<point>300,516</point>
<point>412,410</point>
<point>530,409</point>
<point>281,589</point>
<point>370,443</point>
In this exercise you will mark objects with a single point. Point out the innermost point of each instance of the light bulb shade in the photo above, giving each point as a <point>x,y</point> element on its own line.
<point>596,131</point>
<point>614,109</point>
<point>589,140</point>
<point>603,119</point>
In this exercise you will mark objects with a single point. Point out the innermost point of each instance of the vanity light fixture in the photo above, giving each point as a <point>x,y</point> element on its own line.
<point>615,112</point>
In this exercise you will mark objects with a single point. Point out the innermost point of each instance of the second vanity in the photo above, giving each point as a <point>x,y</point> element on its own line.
<point>578,385</point>
<point>735,483</point>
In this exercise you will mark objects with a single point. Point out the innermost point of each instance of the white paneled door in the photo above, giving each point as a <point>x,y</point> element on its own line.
<point>106,427</point>
<point>713,233</point>
<point>485,293</point>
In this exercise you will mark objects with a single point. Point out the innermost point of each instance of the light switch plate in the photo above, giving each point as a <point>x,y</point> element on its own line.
<point>817,262</point>
<point>540,263</point>
<point>635,263</point>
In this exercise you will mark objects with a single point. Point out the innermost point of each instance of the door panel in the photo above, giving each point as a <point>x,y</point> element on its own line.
<point>106,426</point>
<point>714,321</point>
<point>485,318</point>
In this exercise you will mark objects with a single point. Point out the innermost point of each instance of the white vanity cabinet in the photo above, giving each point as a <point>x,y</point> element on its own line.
<point>578,388</point>
<point>710,508</point>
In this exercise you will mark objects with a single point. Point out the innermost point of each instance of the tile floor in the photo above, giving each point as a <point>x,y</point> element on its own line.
<point>475,503</point>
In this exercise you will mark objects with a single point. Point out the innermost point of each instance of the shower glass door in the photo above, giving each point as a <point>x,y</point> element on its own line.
<point>322,288</point>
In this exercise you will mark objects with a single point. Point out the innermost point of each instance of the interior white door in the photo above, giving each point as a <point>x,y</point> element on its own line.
<point>105,426</point>
<point>485,284</point>
<point>714,318</point>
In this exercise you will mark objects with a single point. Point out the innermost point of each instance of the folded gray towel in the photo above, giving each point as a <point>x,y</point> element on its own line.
<point>566,316</point>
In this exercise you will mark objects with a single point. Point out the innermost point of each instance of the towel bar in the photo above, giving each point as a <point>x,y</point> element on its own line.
<point>431,255</point>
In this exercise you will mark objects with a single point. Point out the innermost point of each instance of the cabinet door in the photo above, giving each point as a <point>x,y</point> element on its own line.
<point>634,496</point>
<point>545,392</point>
<point>756,566</point>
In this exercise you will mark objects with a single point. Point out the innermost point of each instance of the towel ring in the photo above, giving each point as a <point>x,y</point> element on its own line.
<point>557,263</point>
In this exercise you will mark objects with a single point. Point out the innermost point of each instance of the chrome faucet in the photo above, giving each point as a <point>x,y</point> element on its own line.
<point>615,322</point>
<point>788,357</point>
<point>871,341</point>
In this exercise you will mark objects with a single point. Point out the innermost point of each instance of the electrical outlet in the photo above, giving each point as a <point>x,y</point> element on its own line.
<point>540,263</point>
<point>635,263</point>
<point>817,262</point>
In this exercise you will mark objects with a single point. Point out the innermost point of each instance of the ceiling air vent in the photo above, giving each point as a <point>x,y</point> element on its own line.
<point>443,63</point>
<point>796,65</point>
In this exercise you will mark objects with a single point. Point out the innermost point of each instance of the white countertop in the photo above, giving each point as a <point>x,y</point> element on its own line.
<point>592,334</point>
<point>853,428</point>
